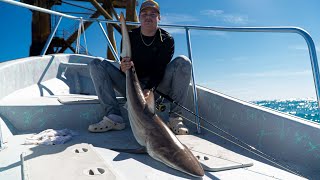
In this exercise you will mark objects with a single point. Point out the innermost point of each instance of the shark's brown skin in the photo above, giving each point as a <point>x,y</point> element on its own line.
<point>148,128</point>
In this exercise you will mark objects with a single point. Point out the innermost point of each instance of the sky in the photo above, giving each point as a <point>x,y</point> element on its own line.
<point>247,66</point>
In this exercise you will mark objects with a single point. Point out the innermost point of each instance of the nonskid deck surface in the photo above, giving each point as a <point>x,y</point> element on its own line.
<point>47,159</point>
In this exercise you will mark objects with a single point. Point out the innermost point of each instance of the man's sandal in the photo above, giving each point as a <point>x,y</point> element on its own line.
<point>176,125</point>
<point>106,125</point>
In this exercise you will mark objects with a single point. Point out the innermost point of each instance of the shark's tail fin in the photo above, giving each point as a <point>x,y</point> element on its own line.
<point>126,47</point>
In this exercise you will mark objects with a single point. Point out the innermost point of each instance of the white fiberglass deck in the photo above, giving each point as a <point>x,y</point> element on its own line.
<point>61,161</point>
<point>50,162</point>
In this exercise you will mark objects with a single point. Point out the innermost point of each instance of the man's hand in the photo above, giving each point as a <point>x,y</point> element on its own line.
<point>126,64</point>
<point>146,93</point>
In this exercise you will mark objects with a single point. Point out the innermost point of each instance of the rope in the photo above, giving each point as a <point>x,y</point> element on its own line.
<point>81,26</point>
<point>78,37</point>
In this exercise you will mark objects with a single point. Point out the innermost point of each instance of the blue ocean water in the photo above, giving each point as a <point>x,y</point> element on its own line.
<point>307,109</point>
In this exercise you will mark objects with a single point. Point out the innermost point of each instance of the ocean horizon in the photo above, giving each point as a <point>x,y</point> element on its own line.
<point>306,108</point>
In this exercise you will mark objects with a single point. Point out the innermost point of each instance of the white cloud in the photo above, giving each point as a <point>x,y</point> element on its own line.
<point>226,17</point>
<point>177,18</point>
<point>302,48</point>
<point>212,12</point>
<point>175,31</point>
<point>234,19</point>
<point>299,47</point>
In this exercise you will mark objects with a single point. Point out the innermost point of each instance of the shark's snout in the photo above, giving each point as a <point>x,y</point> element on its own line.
<point>189,163</point>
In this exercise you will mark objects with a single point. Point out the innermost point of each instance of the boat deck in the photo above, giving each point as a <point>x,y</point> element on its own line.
<point>59,94</point>
<point>96,156</point>
<point>52,161</point>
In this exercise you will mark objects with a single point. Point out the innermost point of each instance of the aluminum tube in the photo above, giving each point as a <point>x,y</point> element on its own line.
<point>109,43</point>
<point>38,9</point>
<point>44,50</point>
<point>195,96</point>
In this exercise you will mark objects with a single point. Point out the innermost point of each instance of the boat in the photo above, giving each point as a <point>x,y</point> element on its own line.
<point>232,138</point>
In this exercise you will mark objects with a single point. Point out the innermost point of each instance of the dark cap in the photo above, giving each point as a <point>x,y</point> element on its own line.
<point>150,4</point>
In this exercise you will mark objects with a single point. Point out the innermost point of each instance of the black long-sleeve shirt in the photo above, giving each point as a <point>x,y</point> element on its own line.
<point>150,61</point>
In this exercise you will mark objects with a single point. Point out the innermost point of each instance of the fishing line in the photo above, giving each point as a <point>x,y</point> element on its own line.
<point>250,148</point>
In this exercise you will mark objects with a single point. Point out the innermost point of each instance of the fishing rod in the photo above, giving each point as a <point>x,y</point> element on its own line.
<point>191,112</point>
<point>161,108</point>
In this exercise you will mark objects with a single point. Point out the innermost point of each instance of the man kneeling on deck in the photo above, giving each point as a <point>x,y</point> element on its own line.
<point>152,49</point>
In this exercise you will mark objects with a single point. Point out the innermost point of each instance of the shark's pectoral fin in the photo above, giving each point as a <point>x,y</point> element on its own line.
<point>141,150</point>
<point>150,102</point>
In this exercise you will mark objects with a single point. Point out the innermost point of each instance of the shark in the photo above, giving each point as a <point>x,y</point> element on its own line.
<point>148,128</point>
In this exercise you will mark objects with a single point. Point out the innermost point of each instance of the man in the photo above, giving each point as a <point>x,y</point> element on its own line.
<point>152,49</point>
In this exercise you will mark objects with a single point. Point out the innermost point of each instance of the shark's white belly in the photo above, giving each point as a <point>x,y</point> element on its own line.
<point>137,129</point>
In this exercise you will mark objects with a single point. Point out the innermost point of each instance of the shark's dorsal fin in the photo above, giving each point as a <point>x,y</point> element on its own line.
<point>150,102</point>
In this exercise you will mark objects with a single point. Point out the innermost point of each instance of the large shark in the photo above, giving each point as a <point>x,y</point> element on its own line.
<point>148,128</point>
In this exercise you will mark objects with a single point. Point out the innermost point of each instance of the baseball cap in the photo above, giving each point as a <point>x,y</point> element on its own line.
<point>150,4</point>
